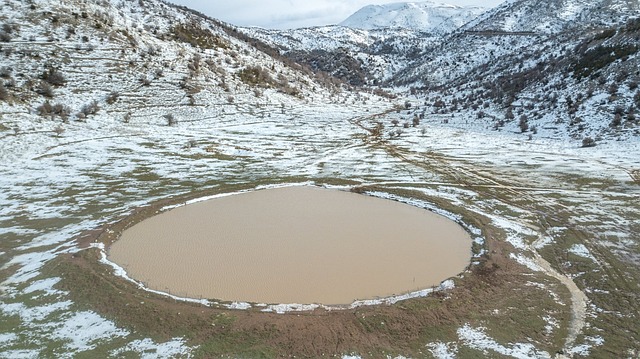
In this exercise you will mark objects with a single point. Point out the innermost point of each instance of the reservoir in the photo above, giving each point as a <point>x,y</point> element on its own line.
<point>300,244</point>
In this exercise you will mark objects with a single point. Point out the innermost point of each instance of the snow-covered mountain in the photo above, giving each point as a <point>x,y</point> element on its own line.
<point>430,17</point>
<point>356,56</point>
<point>374,44</point>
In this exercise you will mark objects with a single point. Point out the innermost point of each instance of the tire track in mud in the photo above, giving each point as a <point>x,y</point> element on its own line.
<point>466,177</point>
<point>543,209</point>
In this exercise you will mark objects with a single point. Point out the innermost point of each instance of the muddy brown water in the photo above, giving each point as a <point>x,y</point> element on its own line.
<point>293,245</point>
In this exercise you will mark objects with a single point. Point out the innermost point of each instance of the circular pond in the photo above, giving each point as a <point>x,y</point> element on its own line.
<point>293,245</point>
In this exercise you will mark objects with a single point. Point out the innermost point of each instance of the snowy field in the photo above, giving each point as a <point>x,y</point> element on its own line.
<point>55,187</point>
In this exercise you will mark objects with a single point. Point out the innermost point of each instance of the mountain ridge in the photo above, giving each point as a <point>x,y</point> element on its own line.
<point>426,16</point>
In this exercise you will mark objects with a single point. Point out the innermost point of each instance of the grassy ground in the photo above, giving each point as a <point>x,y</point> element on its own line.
<point>404,328</point>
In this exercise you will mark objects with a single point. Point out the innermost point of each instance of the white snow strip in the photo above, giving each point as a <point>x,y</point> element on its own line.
<point>239,305</point>
<point>148,349</point>
<point>284,308</point>
<point>514,231</point>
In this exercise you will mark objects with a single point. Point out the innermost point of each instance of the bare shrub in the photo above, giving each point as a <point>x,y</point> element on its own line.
<point>47,109</point>
<point>588,142</point>
<point>59,130</point>
<point>416,121</point>
<point>112,97</point>
<point>45,89</point>
<point>524,123</point>
<point>145,81</point>
<point>4,93</point>
<point>5,72</point>
<point>171,119</point>
<point>90,109</point>
<point>54,77</point>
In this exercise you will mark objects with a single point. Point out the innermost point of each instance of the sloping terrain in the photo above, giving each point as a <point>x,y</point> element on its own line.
<point>359,57</point>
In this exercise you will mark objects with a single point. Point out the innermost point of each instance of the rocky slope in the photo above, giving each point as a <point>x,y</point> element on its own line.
<point>69,61</point>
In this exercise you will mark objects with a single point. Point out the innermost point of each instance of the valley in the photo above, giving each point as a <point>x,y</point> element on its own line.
<point>152,106</point>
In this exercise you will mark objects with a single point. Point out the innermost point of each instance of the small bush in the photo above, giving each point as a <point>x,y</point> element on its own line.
<point>195,35</point>
<point>4,93</point>
<point>54,77</point>
<point>145,81</point>
<point>617,120</point>
<point>112,97</point>
<point>90,109</point>
<point>255,76</point>
<point>47,109</point>
<point>59,130</point>
<point>171,120</point>
<point>5,72</point>
<point>524,124</point>
<point>45,89</point>
<point>5,37</point>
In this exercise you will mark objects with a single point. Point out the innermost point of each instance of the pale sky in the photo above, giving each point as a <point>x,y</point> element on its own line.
<point>285,14</point>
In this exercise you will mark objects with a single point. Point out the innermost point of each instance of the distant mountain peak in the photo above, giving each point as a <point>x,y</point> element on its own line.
<point>424,16</point>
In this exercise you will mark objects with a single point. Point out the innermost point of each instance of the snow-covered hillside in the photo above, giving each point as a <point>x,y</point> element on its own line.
<point>555,16</point>
<point>355,55</point>
<point>427,16</point>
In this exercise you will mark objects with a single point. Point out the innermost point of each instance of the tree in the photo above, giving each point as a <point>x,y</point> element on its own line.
<point>4,94</point>
<point>617,120</point>
<point>509,115</point>
<point>524,124</point>
<point>171,120</point>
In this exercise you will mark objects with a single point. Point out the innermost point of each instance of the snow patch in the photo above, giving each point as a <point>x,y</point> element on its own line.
<point>476,338</point>
<point>582,251</point>
<point>525,261</point>
<point>148,349</point>
<point>7,339</point>
<point>585,348</point>
<point>44,285</point>
<point>83,330</point>
<point>20,354</point>
<point>33,314</point>
<point>441,350</point>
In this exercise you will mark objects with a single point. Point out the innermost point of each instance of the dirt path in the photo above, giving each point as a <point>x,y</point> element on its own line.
<point>461,175</point>
<point>579,300</point>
